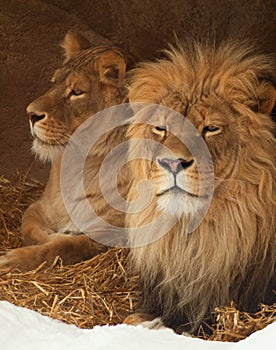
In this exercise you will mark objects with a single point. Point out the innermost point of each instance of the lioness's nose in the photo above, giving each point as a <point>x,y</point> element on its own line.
<point>34,113</point>
<point>175,165</point>
<point>33,117</point>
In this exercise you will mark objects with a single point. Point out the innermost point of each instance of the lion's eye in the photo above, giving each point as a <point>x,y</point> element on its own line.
<point>210,129</point>
<point>161,128</point>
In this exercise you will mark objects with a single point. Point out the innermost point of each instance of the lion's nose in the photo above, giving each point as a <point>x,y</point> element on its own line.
<point>33,117</point>
<point>175,165</point>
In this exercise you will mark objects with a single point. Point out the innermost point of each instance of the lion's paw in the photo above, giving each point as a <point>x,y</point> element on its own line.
<point>23,259</point>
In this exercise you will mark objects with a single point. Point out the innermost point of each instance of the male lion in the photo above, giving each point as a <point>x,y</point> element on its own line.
<point>90,80</point>
<point>226,95</point>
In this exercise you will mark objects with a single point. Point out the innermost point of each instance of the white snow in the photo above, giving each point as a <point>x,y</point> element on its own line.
<point>23,329</point>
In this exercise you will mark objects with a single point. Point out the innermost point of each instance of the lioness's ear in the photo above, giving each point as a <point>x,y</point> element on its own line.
<point>73,43</point>
<point>111,67</point>
<point>266,94</point>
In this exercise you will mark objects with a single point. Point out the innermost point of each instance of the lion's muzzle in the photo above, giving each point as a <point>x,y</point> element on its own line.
<point>175,165</point>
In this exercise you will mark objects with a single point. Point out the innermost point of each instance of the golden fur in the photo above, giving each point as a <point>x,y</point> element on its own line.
<point>231,254</point>
<point>90,80</point>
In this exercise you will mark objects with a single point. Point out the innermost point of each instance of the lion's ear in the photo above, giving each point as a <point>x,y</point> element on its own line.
<point>111,67</point>
<point>266,94</point>
<point>73,43</point>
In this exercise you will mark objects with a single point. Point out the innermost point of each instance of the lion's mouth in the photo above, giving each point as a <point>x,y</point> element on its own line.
<point>177,190</point>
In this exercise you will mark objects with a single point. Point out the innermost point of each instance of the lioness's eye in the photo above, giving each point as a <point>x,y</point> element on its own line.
<point>75,93</point>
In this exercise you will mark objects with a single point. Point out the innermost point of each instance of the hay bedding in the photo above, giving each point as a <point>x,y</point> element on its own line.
<point>94,292</point>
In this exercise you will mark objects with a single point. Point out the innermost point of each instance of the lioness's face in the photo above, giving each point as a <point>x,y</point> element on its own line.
<point>185,154</point>
<point>54,116</point>
<point>89,82</point>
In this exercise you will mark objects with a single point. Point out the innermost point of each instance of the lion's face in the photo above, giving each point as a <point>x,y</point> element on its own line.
<point>177,181</point>
<point>209,112</point>
<point>89,81</point>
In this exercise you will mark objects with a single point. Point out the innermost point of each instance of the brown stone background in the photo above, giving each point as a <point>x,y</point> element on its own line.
<point>31,31</point>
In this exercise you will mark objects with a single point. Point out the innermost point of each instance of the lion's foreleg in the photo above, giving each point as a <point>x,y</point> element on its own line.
<point>71,250</point>
<point>35,227</point>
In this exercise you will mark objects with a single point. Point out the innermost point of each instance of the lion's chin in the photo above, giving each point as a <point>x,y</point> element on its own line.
<point>179,204</point>
<point>45,151</point>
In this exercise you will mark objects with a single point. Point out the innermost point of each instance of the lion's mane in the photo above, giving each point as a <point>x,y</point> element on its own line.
<point>231,255</point>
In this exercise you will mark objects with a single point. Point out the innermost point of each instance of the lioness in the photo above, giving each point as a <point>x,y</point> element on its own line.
<point>226,94</point>
<point>91,79</point>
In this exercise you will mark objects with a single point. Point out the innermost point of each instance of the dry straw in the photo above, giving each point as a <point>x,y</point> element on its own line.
<point>94,292</point>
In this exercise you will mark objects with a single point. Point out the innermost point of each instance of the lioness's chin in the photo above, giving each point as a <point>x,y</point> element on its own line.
<point>45,151</point>
<point>179,204</point>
